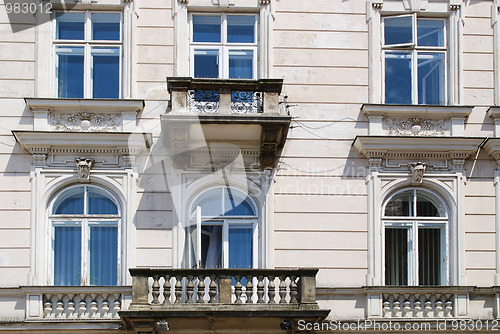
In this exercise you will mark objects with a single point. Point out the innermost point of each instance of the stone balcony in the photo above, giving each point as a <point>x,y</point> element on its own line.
<point>241,115</point>
<point>216,298</point>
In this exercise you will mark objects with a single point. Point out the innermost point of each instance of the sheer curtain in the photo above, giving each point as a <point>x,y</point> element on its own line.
<point>103,255</point>
<point>67,255</point>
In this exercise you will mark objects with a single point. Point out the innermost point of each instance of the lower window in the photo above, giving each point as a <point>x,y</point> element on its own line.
<point>85,237</point>
<point>415,223</point>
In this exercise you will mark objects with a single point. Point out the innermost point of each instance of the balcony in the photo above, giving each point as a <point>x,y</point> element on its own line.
<point>217,298</point>
<point>215,116</point>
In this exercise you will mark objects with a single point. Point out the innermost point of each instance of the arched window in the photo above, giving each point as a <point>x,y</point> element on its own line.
<point>222,230</point>
<point>416,232</point>
<point>85,224</point>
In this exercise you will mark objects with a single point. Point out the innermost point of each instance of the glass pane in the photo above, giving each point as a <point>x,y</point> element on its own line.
<point>429,256</point>
<point>106,27</point>
<point>240,64</point>
<point>425,208</point>
<point>398,30</point>
<point>400,205</point>
<point>103,255</point>
<point>100,204</point>
<point>236,205</point>
<point>431,78</point>
<point>211,205</point>
<point>398,77</point>
<point>206,64</point>
<point>430,32</point>
<point>70,204</point>
<point>206,29</point>
<point>211,246</point>
<point>70,72</point>
<point>396,256</point>
<point>105,72</point>
<point>70,26</point>
<point>67,255</point>
<point>240,247</point>
<point>240,29</point>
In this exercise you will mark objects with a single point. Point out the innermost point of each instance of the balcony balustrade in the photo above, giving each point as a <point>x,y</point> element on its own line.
<point>205,288</point>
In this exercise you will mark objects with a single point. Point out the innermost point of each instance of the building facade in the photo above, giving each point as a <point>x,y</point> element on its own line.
<point>250,165</point>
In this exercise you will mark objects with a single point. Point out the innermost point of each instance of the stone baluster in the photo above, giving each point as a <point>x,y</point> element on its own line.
<point>293,290</point>
<point>190,289</point>
<point>48,308</point>
<point>249,289</point>
<point>71,306</point>
<point>93,306</point>
<point>105,306</point>
<point>260,289</point>
<point>417,306</point>
<point>60,306</point>
<point>82,306</point>
<point>116,306</point>
<point>407,312</point>
<point>212,289</point>
<point>271,289</point>
<point>396,306</point>
<point>178,289</point>
<point>156,289</point>
<point>201,289</point>
<point>438,306</point>
<point>386,307</point>
<point>166,290</point>
<point>282,289</point>
<point>428,306</point>
<point>238,289</point>
<point>448,306</point>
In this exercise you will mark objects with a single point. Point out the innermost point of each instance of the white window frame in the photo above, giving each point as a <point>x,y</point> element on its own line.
<point>412,225</point>
<point>84,221</point>
<point>224,47</point>
<point>413,49</point>
<point>87,43</point>
<point>226,222</point>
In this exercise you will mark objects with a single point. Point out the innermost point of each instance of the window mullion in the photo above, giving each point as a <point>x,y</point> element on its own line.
<point>225,244</point>
<point>415,254</point>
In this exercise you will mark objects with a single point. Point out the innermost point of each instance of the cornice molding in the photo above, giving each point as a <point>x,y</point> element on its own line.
<point>84,105</point>
<point>427,111</point>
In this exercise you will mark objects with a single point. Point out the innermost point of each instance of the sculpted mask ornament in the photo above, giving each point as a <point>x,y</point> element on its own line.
<point>83,166</point>
<point>417,172</point>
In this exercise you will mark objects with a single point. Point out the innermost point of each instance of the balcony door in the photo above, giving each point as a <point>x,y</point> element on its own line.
<point>222,231</point>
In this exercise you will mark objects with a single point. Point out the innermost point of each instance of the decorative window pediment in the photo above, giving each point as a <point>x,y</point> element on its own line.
<point>416,120</point>
<point>398,153</point>
<point>84,115</point>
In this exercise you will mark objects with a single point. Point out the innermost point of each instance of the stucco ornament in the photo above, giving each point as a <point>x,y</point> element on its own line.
<point>83,166</point>
<point>417,172</point>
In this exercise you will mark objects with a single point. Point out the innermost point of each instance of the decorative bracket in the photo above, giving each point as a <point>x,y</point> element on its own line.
<point>83,166</point>
<point>377,4</point>
<point>417,172</point>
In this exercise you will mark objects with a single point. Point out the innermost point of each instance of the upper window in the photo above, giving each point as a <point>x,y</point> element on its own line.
<point>414,51</point>
<point>222,230</point>
<point>224,46</point>
<point>415,222</point>
<point>85,229</point>
<point>88,52</point>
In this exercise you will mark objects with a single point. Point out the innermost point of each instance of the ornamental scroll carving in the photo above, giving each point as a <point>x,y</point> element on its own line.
<point>416,127</point>
<point>86,122</point>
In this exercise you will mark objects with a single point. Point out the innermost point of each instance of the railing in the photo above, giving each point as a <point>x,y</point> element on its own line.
<point>171,288</point>
<point>216,96</point>
<point>76,303</point>
<point>418,302</point>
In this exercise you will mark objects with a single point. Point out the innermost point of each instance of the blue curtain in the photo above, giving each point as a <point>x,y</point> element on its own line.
<point>67,255</point>
<point>240,247</point>
<point>103,255</point>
